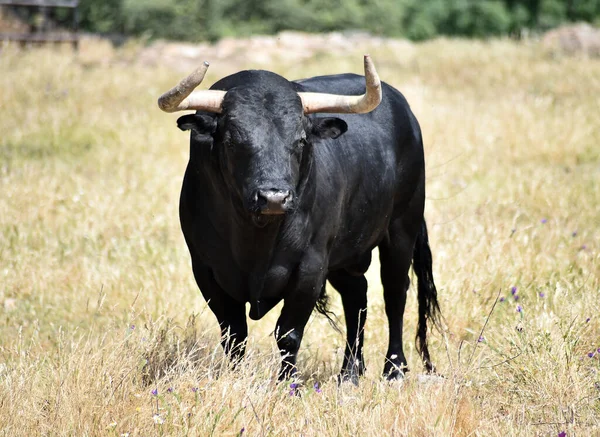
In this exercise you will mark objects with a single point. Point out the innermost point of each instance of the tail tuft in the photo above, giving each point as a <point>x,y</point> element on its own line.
<point>429,308</point>
<point>322,307</point>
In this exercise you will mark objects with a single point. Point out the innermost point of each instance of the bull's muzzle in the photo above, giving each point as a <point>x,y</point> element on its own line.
<point>273,201</point>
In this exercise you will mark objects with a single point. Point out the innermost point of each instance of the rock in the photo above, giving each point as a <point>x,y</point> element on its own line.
<point>429,379</point>
<point>10,304</point>
<point>581,38</point>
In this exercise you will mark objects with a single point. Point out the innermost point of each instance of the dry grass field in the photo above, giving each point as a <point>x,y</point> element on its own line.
<point>103,330</point>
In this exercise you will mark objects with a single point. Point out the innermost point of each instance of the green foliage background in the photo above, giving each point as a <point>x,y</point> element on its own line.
<point>414,19</point>
<point>196,20</point>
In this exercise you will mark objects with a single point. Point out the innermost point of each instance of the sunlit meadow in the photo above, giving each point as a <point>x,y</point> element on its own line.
<point>103,330</point>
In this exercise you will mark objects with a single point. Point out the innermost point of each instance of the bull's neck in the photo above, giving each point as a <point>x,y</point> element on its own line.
<point>249,244</point>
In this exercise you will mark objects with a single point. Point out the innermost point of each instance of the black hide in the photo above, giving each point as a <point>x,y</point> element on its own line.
<point>341,185</point>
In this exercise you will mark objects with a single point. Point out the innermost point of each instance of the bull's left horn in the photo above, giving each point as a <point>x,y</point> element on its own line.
<point>333,103</point>
<point>183,97</point>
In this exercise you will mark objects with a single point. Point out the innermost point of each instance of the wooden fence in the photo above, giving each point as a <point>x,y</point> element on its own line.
<point>41,32</point>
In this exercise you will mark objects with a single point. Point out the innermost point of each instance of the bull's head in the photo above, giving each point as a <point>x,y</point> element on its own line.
<point>262,128</point>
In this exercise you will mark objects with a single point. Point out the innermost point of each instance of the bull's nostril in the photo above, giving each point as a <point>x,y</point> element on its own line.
<point>273,201</point>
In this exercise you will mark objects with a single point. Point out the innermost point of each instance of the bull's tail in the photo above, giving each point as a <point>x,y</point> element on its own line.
<point>427,294</point>
<point>322,307</point>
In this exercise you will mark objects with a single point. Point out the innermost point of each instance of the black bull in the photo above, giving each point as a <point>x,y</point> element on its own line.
<point>275,202</point>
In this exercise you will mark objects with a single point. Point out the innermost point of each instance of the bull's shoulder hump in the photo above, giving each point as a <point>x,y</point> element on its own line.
<point>336,83</point>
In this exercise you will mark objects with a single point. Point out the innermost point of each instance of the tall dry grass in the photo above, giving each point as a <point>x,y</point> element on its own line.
<point>103,331</point>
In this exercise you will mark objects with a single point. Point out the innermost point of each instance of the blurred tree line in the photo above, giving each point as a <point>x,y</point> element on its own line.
<point>414,19</point>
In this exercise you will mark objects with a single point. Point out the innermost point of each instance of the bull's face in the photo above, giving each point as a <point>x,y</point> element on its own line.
<point>263,138</point>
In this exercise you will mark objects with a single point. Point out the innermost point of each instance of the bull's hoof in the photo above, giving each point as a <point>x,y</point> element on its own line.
<point>287,373</point>
<point>395,373</point>
<point>352,371</point>
<point>348,377</point>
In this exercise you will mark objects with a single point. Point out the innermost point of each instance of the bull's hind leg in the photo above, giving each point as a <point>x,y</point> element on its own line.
<point>395,254</point>
<point>353,290</point>
<point>230,314</point>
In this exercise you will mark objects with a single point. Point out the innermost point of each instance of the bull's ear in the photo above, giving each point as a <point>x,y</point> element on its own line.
<point>198,123</point>
<point>330,127</point>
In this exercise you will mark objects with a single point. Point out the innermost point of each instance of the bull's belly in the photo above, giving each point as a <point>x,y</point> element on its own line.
<point>354,255</point>
<point>351,248</point>
<point>354,258</point>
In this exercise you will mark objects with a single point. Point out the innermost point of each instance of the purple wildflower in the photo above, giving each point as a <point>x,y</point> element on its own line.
<point>132,327</point>
<point>502,299</point>
<point>519,309</point>
<point>170,390</point>
<point>599,350</point>
<point>194,389</point>
<point>587,320</point>
<point>544,220</point>
<point>542,294</point>
<point>293,387</point>
<point>242,430</point>
<point>316,386</point>
<point>591,354</point>
<point>562,434</point>
<point>155,392</point>
<point>513,290</point>
<point>516,297</point>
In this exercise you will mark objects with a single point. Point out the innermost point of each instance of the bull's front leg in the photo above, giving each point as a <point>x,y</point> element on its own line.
<point>229,313</point>
<point>298,305</point>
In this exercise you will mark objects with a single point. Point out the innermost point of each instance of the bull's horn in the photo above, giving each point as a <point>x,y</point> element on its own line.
<point>181,97</point>
<point>333,103</point>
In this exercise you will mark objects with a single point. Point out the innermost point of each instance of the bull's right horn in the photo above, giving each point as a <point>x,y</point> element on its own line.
<point>182,97</point>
